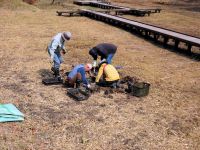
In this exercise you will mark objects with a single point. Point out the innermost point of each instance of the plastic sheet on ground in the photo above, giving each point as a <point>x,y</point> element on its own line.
<point>9,113</point>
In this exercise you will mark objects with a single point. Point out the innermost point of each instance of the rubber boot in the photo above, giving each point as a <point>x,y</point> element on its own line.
<point>53,69</point>
<point>78,83</point>
<point>57,75</point>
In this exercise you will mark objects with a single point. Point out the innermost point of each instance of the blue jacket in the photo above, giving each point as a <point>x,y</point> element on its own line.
<point>79,69</point>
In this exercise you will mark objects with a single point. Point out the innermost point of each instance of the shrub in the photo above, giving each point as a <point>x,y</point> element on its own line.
<point>30,1</point>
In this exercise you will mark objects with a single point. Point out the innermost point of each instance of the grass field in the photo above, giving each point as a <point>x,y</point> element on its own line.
<point>168,118</point>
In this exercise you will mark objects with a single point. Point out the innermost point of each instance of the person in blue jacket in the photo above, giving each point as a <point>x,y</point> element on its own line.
<point>78,73</point>
<point>55,48</point>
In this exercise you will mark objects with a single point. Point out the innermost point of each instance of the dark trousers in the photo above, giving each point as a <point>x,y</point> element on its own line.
<point>105,83</point>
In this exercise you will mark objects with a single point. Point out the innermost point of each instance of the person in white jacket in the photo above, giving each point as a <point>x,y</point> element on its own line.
<point>55,48</point>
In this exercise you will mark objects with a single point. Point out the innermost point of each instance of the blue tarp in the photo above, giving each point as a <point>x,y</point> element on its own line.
<point>8,112</point>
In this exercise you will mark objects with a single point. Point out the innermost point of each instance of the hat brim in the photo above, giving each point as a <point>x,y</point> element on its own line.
<point>66,39</point>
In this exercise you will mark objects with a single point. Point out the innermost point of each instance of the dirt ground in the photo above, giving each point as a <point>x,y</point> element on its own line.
<point>168,118</point>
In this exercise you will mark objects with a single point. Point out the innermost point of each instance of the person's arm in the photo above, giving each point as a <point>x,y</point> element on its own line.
<point>99,74</point>
<point>93,53</point>
<point>94,57</point>
<point>63,46</point>
<point>82,72</point>
<point>63,49</point>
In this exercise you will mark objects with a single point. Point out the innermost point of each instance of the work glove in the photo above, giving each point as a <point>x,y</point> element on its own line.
<point>88,86</point>
<point>64,51</point>
<point>94,64</point>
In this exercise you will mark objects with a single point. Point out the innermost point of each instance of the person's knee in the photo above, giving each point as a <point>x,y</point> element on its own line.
<point>78,76</point>
<point>70,81</point>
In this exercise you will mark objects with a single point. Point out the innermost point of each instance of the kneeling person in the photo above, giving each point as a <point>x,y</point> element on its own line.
<point>79,74</point>
<point>110,75</point>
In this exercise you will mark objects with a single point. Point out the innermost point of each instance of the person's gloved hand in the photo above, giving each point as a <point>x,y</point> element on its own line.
<point>88,86</point>
<point>64,51</point>
<point>94,64</point>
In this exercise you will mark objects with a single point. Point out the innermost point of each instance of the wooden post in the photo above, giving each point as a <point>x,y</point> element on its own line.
<point>165,40</point>
<point>189,49</point>
<point>146,34</point>
<point>176,44</point>
<point>155,37</point>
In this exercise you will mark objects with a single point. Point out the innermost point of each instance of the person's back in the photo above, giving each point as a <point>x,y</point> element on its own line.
<point>106,49</point>
<point>57,36</point>
<point>56,43</point>
<point>110,72</point>
<point>78,74</point>
<point>75,70</point>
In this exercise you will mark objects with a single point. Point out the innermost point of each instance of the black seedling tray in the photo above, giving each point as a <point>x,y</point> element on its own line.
<point>51,81</point>
<point>78,94</point>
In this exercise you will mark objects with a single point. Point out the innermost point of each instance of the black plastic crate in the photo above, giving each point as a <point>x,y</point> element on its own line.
<point>51,81</point>
<point>139,89</point>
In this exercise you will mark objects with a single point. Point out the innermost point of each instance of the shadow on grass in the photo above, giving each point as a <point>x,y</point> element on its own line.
<point>179,51</point>
<point>45,73</point>
<point>193,9</point>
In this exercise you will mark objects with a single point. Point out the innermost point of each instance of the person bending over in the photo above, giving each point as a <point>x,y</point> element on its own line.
<point>55,48</point>
<point>105,51</point>
<point>78,74</point>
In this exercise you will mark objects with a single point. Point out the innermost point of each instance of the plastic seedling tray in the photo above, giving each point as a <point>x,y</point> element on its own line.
<point>78,94</point>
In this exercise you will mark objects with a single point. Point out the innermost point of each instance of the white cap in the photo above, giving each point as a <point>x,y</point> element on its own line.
<point>89,66</point>
<point>66,35</point>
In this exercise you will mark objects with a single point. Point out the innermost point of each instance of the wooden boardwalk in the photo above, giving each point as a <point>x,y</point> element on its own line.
<point>79,12</point>
<point>131,11</point>
<point>146,30</point>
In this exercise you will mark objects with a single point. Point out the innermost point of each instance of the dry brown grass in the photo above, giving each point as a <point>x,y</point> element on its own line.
<point>168,118</point>
<point>16,5</point>
<point>175,17</point>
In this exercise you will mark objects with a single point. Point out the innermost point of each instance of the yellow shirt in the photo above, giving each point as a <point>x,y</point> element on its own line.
<point>109,71</point>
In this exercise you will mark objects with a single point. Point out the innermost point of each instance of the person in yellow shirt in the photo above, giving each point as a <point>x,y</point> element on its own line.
<point>107,75</point>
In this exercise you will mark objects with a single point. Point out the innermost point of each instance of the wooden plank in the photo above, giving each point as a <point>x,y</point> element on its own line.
<point>69,13</point>
<point>82,2</point>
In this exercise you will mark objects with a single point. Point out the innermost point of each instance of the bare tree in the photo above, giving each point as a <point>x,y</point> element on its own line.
<point>56,1</point>
<point>52,2</point>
